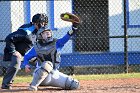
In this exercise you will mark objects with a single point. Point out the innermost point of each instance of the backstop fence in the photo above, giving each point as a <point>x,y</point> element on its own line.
<point>107,40</point>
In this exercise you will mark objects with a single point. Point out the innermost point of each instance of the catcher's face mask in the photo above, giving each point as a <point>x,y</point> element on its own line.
<point>43,24</point>
<point>45,35</point>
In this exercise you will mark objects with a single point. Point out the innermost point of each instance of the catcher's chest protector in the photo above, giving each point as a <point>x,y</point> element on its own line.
<point>47,52</point>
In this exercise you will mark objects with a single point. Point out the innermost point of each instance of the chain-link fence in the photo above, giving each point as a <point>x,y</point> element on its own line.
<point>104,43</point>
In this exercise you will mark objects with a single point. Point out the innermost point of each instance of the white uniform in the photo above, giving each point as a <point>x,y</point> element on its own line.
<point>58,79</point>
<point>49,55</point>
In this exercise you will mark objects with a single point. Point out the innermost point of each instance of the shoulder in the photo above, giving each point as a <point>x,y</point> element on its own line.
<point>28,28</point>
<point>26,25</point>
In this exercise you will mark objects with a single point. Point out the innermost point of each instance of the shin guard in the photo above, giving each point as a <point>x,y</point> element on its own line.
<point>58,79</point>
<point>41,73</point>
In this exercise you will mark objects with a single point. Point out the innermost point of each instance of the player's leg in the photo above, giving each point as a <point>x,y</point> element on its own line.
<point>40,74</point>
<point>58,79</point>
<point>11,72</point>
<point>2,70</point>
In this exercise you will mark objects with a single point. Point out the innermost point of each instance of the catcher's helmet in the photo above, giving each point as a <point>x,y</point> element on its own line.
<point>40,18</point>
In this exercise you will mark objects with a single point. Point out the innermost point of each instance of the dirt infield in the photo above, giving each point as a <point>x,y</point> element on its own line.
<point>92,86</point>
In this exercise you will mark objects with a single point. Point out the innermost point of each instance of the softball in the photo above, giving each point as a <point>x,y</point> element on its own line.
<point>66,16</point>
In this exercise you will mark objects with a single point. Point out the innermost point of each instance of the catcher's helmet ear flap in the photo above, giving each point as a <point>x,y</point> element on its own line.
<point>40,19</point>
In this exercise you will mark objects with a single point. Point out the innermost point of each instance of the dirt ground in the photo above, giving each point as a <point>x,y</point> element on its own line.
<point>92,86</point>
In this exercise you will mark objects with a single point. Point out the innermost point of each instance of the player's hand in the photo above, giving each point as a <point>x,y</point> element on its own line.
<point>27,69</point>
<point>16,53</point>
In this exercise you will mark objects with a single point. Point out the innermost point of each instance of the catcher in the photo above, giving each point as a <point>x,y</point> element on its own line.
<point>47,50</point>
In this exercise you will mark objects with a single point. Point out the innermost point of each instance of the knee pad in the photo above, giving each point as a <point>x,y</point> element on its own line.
<point>71,84</point>
<point>47,66</point>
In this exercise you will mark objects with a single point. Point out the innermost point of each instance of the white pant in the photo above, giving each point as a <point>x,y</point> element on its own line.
<point>57,79</point>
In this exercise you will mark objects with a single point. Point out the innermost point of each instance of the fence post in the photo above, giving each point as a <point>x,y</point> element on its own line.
<point>27,12</point>
<point>125,39</point>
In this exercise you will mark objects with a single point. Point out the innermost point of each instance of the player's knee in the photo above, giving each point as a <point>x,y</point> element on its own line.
<point>71,84</point>
<point>44,70</point>
<point>47,66</point>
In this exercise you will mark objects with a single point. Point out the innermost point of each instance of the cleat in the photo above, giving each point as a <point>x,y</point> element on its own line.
<point>32,88</point>
<point>6,87</point>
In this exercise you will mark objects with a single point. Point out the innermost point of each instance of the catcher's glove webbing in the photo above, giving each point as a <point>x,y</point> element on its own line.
<point>70,18</point>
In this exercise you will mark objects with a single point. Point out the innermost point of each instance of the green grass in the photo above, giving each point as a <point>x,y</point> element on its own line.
<point>20,79</point>
<point>107,76</point>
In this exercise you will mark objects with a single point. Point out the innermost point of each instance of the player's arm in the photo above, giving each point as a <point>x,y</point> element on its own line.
<point>28,56</point>
<point>75,21</point>
<point>62,41</point>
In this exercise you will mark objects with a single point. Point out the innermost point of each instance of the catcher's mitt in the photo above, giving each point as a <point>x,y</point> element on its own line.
<point>70,17</point>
